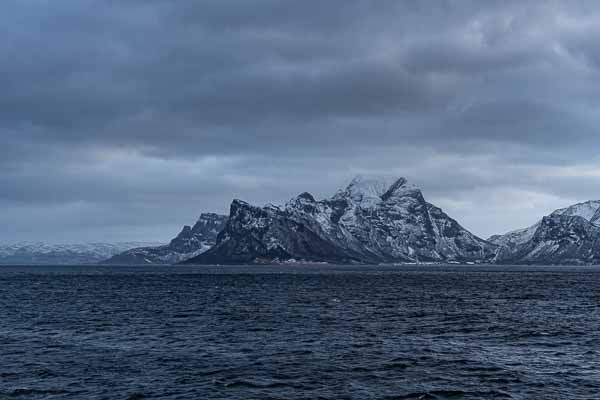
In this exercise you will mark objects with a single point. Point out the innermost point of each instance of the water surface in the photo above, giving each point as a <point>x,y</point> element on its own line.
<point>330,332</point>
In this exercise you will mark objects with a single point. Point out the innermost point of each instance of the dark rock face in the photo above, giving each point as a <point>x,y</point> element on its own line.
<point>567,236</point>
<point>371,221</point>
<point>265,234</point>
<point>203,233</point>
<point>190,242</point>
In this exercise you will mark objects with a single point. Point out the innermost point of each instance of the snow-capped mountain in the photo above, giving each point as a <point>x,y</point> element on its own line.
<point>372,220</point>
<point>569,235</point>
<point>190,242</point>
<point>43,253</point>
<point>589,210</point>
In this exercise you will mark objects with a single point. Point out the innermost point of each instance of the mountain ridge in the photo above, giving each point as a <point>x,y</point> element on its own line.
<point>190,242</point>
<point>569,235</point>
<point>370,221</point>
<point>40,253</point>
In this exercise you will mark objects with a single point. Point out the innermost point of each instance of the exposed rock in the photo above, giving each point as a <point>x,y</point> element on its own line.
<point>371,221</point>
<point>190,242</point>
<point>567,236</point>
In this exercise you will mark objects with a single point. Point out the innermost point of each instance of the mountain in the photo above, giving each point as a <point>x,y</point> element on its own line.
<point>42,253</point>
<point>569,235</point>
<point>372,220</point>
<point>190,242</point>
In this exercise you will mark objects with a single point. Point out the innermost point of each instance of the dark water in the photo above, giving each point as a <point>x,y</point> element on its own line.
<point>299,333</point>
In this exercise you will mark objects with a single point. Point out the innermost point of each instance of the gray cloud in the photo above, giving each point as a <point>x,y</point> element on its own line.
<point>141,114</point>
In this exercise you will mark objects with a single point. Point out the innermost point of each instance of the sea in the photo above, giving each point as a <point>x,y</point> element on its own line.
<point>299,332</point>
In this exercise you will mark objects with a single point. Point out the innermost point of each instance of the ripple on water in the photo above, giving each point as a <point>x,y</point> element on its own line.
<point>296,333</point>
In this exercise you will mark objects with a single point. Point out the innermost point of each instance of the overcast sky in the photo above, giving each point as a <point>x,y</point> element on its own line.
<point>125,119</point>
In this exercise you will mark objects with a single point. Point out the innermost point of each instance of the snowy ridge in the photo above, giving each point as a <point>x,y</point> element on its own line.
<point>569,235</point>
<point>81,253</point>
<point>367,190</point>
<point>588,210</point>
<point>372,220</point>
<point>190,242</point>
<point>515,237</point>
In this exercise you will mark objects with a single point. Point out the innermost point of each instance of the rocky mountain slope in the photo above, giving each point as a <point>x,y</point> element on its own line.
<point>190,242</point>
<point>372,220</point>
<point>569,235</point>
<point>43,253</point>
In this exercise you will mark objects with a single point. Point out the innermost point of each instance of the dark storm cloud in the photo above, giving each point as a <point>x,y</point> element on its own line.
<point>123,108</point>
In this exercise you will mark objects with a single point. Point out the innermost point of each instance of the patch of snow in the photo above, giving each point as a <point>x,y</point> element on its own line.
<point>365,189</point>
<point>26,252</point>
<point>516,237</point>
<point>586,210</point>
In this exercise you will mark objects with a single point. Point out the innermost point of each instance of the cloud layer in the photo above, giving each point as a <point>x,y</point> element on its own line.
<point>121,120</point>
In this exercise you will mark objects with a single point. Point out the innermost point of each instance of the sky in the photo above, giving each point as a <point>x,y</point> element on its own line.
<point>125,119</point>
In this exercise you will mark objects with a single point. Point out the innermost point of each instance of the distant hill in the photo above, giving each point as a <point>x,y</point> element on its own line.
<point>43,253</point>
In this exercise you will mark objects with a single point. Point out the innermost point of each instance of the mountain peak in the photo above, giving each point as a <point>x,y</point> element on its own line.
<point>190,242</point>
<point>306,197</point>
<point>369,190</point>
<point>399,188</point>
<point>590,210</point>
<point>374,185</point>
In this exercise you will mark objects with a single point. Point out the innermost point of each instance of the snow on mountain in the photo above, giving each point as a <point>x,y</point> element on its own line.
<point>588,210</point>
<point>44,253</point>
<point>372,220</point>
<point>515,237</point>
<point>570,235</point>
<point>190,242</point>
